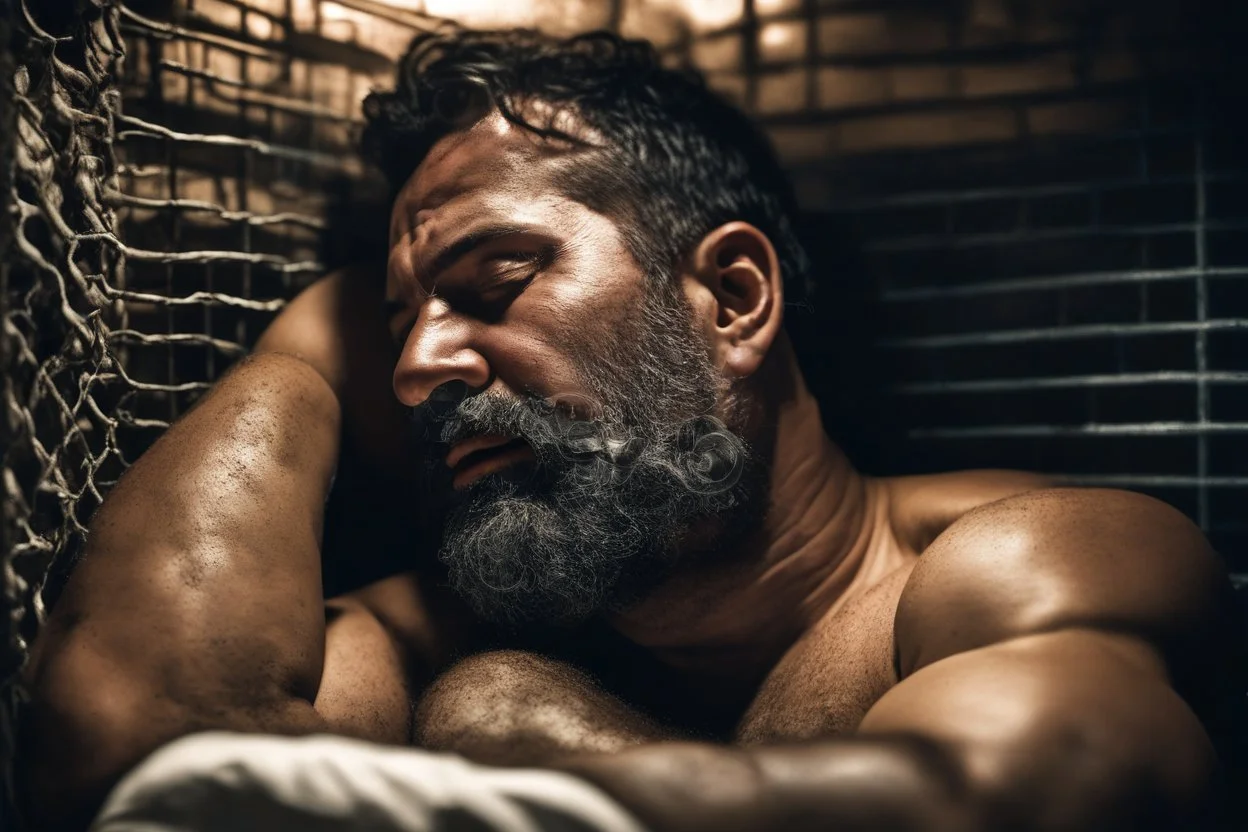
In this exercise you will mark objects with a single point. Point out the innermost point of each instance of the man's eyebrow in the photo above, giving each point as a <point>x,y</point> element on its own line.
<point>450,254</point>
<point>447,256</point>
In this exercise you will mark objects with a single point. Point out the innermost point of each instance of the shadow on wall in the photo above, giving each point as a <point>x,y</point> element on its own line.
<point>836,338</point>
<point>1049,202</point>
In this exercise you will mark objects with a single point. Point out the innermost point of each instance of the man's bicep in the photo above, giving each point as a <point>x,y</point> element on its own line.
<point>338,327</point>
<point>197,603</point>
<point>312,327</point>
<point>210,541</point>
<point>1068,729</point>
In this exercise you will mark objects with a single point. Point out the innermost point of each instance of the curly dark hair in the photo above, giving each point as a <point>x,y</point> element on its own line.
<point>678,159</point>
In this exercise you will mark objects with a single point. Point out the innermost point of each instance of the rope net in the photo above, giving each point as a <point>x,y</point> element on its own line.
<point>64,393</point>
<point>169,170</point>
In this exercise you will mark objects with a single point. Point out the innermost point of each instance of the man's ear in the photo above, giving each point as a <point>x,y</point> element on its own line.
<point>736,285</point>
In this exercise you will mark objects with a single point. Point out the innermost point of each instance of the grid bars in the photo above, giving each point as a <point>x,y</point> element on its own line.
<point>1049,210</point>
<point>238,147</point>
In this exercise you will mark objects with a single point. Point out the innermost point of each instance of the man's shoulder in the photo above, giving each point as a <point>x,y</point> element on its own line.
<point>1061,558</point>
<point>921,507</point>
<point>337,326</point>
<point>329,321</point>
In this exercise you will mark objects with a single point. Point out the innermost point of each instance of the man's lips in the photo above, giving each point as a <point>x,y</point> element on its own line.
<point>477,456</point>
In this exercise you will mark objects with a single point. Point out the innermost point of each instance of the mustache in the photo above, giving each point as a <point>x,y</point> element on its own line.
<point>699,453</point>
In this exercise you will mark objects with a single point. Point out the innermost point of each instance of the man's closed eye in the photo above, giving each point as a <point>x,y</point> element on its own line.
<point>501,279</point>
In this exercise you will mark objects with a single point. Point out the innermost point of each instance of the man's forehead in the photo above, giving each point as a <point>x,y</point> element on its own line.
<point>493,154</point>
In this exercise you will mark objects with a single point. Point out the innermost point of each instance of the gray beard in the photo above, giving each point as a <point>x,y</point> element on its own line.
<point>605,512</point>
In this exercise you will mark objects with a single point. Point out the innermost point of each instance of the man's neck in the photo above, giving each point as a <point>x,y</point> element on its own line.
<point>738,613</point>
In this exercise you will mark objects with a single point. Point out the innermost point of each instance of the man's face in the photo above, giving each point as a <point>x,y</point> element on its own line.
<point>568,405</point>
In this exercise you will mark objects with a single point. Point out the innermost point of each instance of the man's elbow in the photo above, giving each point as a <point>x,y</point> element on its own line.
<point>1087,786</point>
<point>82,729</point>
<point>89,720</point>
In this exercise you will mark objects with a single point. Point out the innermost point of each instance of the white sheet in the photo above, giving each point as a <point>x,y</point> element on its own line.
<point>238,782</point>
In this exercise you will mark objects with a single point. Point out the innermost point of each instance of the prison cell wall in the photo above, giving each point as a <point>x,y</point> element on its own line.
<point>1045,200</point>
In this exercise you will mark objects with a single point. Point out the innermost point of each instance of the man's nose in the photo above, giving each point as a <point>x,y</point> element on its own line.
<point>438,350</point>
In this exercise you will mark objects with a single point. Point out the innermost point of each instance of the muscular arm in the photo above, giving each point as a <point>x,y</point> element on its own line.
<point>198,602</point>
<point>337,326</point>
<point>1041,639</point>
<point>1070,731</point>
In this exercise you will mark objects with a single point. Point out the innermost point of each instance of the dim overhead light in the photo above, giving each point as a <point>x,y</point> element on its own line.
<point>712,14</point>
<point>405,5</point>
<point>332,11</point>
<point>766,7</point>
<point>577,15</point>
<point>777,36</point>
<point>483,13</point>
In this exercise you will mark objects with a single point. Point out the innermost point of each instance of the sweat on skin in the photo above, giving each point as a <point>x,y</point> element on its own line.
<point>915,652</point>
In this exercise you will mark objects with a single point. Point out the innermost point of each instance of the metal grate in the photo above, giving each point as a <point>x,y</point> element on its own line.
<point>59,270</point>
<point>169,171</point>
<point>1123,372</point>
<point>238,152</point>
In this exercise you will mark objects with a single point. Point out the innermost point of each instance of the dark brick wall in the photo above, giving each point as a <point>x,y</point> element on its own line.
<point>1048,202</point>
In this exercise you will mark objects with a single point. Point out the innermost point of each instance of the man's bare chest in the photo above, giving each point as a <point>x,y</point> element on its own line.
<point>823,685</point>
<point>832,676</point>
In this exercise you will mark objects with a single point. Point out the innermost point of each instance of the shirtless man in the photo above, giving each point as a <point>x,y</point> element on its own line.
<point>583,312</point>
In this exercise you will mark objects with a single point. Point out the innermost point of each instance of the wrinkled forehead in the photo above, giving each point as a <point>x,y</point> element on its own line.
<point>493,166</point>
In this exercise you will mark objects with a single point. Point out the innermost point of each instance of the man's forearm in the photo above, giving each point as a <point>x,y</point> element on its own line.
<point>198,602</point>
<point>870,784</point>
<point>509,707</point>
<point>514,708</point>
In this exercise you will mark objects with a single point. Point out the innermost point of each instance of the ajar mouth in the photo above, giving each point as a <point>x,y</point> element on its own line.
<point>475,444</point>
<point>470,459</point>
<point>482,455</point>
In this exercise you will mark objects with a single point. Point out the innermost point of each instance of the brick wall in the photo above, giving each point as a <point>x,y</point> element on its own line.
<point>1049,203</point>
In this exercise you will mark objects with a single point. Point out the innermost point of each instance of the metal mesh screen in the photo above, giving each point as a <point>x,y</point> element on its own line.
<point>1104,339</point>
<point>62,391</point>
<point>172,170</point>
<point>237,143</point>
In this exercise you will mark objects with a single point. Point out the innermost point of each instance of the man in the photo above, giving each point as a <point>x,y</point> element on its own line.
<point>581,322</point>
